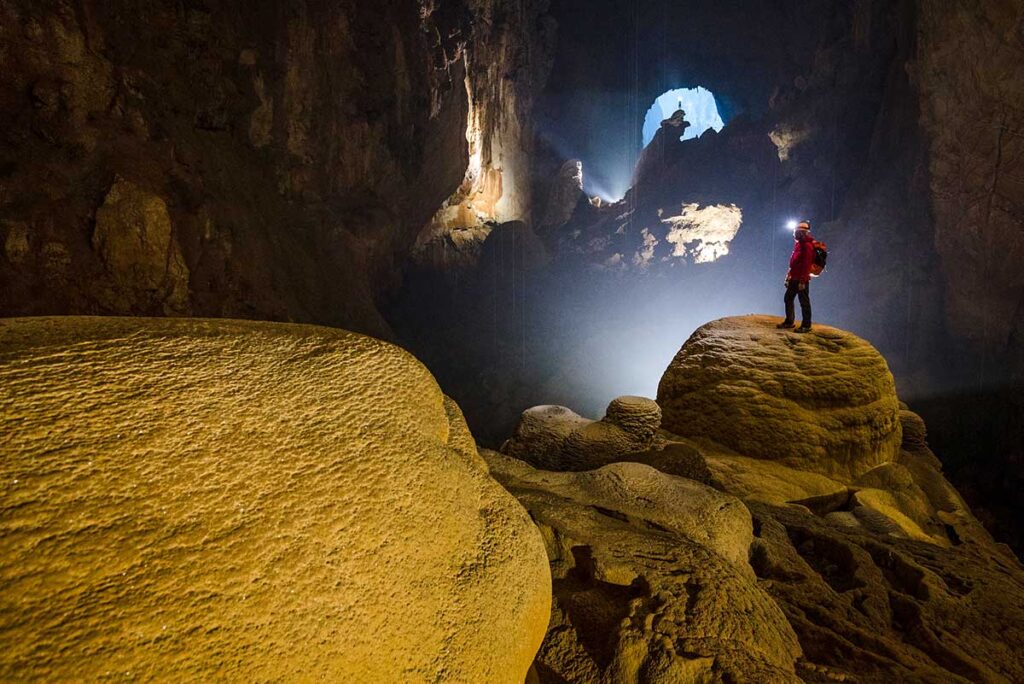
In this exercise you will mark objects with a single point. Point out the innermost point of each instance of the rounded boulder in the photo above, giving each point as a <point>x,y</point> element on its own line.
<point>823,402</point>
<point>193,500</point>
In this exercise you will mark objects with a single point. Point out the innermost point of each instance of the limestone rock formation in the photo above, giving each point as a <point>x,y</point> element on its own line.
<point>877,564</point>
<point>563,196</point>
<point>556,438</point>
<point>651,580</point>
<point>823,402</point>
<point>876,607</point>
<point>189,499</point>
<point>136,242</point>
<point>299,147</point>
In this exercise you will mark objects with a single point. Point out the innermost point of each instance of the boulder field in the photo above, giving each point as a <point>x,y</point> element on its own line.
<point>879,570</point>
<point>196,499</point>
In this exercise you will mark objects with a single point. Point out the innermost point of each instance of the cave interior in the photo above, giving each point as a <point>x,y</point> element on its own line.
<point>507,190</point>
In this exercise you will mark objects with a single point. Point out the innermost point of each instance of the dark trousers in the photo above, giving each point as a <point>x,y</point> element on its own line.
<point>792,291</point>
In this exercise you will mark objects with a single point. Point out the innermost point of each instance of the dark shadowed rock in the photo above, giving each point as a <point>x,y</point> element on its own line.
<point>556,438</point>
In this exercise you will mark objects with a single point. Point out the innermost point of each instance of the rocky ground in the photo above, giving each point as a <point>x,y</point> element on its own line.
<point>189,500</point>
<point>787,523</point>
<point>183,498</point>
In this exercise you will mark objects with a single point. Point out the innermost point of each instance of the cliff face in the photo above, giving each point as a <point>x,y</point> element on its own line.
<point>195,158</point>
<point>970,71</point>
<point>507,65</point>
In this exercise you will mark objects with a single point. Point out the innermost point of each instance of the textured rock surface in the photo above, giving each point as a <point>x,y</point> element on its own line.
<point>556,438</point>
<point>133,238</point>
<point>870,607</point>
<point>651,581</point>
<point>188,499</point>
<point>823,402</point>
<point>970,69</point>
<point>564,194</point>
<point>298,147</point>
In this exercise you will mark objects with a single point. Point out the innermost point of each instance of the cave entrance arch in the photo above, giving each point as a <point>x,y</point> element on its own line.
<point>699,104</point>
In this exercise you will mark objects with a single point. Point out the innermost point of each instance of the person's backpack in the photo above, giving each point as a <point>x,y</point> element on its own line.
<point>820,258</point>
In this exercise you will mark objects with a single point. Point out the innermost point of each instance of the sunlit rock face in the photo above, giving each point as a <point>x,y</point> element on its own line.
<point>183,499</point>
<point>824,403</point>
<point>702,235</point>
<point>506,64</point>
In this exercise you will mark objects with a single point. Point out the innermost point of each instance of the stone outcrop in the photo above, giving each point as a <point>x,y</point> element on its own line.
<point>297,148</point>
<point>184,498</point>
<point>876,607</point>
<point>563,196</point>
<point>823,402</point>
<point>651,581</point>
<point>881,570</point>
<point>133,238</point>
<point>556,438</point>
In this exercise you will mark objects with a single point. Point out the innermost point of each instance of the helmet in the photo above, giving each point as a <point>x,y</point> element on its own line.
<point>804,225</point>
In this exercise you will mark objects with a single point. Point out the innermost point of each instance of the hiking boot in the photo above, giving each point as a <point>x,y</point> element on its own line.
<point>804,329</point>
<point>785,325</point>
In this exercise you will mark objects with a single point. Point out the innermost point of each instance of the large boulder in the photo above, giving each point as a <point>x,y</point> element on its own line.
<point>556,438</point>
<point>823,402</point>
<point>189,499</point>
<point>651,581</point>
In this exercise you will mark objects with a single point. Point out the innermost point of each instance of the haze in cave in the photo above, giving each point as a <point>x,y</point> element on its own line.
<point>541,341</point>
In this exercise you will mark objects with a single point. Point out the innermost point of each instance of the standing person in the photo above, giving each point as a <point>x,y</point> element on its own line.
<point>798,280</point>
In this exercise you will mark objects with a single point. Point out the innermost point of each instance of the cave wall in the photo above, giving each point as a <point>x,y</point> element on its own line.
<point>507,66</point>
<point>202,158</point>
<point>970,72</point>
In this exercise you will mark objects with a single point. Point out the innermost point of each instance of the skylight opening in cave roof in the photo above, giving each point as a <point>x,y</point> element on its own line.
<point>698,103</point>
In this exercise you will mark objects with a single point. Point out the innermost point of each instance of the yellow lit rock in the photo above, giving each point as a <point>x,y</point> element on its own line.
<point>651,579</point>
<point>823,402</point>
<point>198,500</point>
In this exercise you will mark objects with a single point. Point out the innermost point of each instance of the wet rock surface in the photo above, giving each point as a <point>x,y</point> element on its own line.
<point>191,499</point>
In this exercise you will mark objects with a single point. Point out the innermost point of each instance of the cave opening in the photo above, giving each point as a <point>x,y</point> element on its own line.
<point>701,109</point>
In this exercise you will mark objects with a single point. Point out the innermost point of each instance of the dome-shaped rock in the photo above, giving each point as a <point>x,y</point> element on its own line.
<point>194,500</point>
<point>823,402</point>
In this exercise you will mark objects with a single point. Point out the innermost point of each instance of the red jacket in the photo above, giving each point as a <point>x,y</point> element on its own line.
<point>801,260</point>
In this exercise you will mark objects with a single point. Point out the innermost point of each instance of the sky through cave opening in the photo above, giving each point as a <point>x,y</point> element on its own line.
<point>698,103</point>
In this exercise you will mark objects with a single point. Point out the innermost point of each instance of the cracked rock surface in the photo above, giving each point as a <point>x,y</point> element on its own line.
<point>650,579</point>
